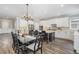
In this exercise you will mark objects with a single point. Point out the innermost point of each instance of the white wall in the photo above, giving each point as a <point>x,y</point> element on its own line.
<point>36,26</point>
<point>6,25</point>
<point>21,23</point>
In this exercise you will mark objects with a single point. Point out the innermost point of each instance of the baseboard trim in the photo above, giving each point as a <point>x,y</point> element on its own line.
<point>64,39</point>
<point>75,51</point>
<point>4,33</point>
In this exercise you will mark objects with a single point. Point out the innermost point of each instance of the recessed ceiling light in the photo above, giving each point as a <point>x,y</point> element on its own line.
<point>6,8</point>
<point>61,5</point>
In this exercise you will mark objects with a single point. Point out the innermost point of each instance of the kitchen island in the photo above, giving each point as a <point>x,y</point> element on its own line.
<point>50,35</point>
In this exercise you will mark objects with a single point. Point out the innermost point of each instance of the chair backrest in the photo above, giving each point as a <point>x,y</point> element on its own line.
<point>31,32</point>
<point>36,32</point>
<point>15,41</point>
<point>19,42</point>
<point>44,32</point>
<point>12,34</point>
<point>38,42</point>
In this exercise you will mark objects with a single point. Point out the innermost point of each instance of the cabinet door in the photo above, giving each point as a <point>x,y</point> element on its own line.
<point>60,34</point>
<point>41,28</point>
<point>74,23</point>
<point>76,42</point>
<point>62,22</point>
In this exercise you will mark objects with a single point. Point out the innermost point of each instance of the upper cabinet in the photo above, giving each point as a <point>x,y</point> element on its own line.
<point>62,22</point>
<point>74,23</point>
<point>59,22</point>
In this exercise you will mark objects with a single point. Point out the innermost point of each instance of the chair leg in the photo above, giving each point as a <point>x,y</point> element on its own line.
<point>17,51</point>
<point>34,52</point>
<point>13,46</point>
<point>41,50</point>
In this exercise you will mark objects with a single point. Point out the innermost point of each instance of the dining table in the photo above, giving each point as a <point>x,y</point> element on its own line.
<point>26,39</point>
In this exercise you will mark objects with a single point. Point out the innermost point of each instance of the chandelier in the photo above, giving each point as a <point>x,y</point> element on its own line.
<point>27,17</point>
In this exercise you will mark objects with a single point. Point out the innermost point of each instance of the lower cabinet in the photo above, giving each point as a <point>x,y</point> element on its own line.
<point>65,34</point>
<point>76,42</point>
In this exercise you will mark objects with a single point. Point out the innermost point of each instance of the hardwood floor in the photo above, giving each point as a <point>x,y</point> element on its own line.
<point>57,47</point>
<point>6,44</point>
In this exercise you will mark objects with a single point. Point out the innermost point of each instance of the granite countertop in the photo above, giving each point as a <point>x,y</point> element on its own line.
<point>57,29</point>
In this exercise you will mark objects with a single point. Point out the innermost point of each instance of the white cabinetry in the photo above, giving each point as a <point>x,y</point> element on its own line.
<point>65,34</point>
<point>62,22</point>
<point>76,41</point>
<point>74,25</point>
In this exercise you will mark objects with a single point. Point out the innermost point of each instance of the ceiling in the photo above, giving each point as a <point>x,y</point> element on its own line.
<point>38,11</point>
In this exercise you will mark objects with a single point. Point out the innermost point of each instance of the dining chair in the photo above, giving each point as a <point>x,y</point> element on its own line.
<point>17,45</point>
<point>36,32</point>
<point>36,46</point>
<point>20,47</point>
<point>14,42</point>
<point>44,34</point>
<point>31,32</point>
<point>13,36</point>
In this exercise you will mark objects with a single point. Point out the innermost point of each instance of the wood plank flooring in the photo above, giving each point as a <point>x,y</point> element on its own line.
<point>6,44</point>
<point>59,46</point>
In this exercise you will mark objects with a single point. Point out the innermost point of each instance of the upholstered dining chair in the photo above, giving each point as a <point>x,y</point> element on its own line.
<point>36,46</point>
<point>17,45</point>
